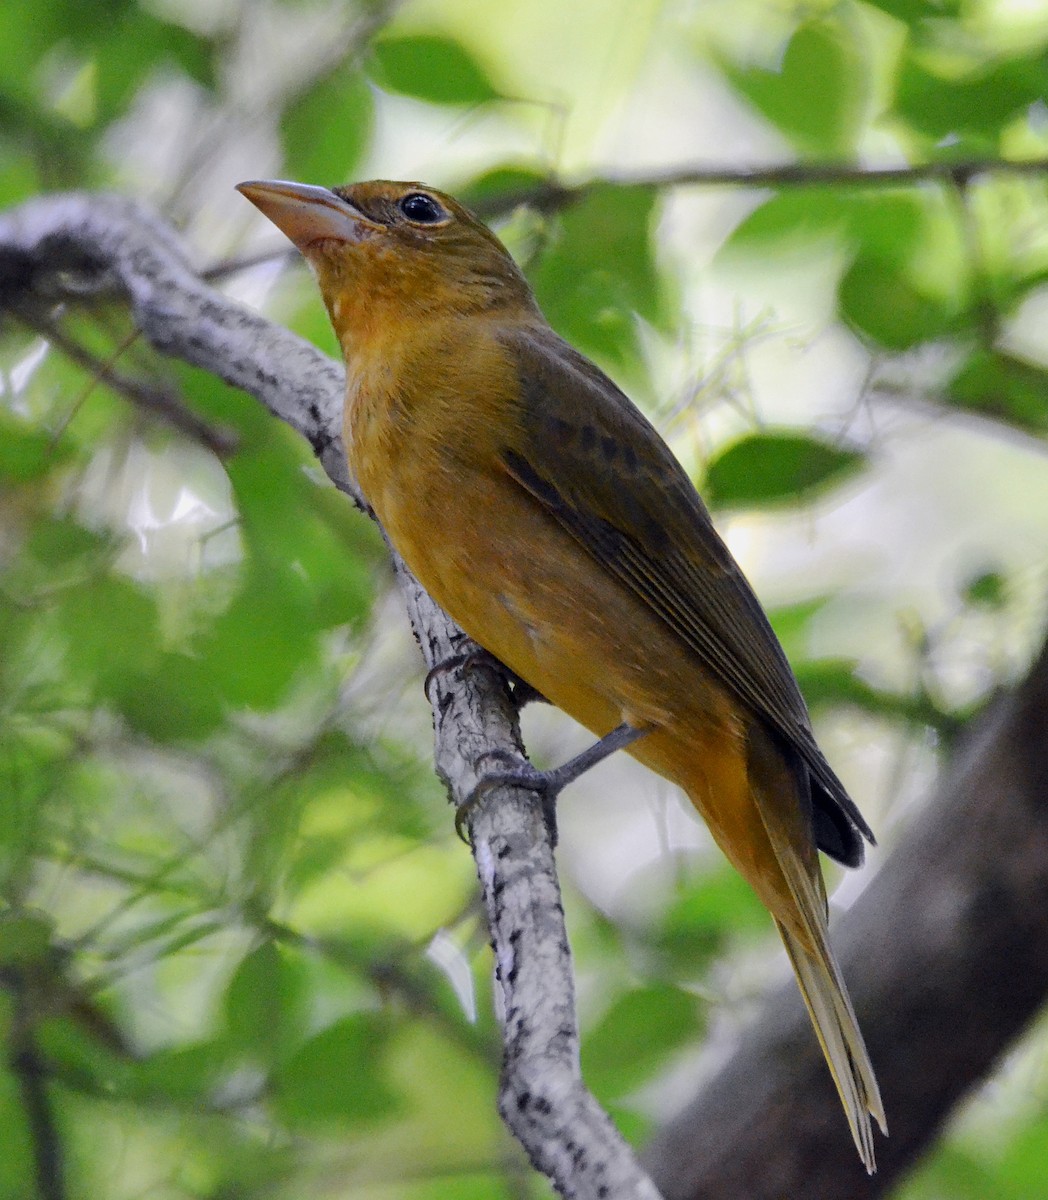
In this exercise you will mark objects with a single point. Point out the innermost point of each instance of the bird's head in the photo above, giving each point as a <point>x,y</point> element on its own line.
<point>384,250</point>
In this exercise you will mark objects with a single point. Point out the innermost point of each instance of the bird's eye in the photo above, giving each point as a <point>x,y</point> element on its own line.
<point>422,209</point>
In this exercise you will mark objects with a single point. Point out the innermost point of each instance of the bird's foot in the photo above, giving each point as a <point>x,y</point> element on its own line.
<point>482,660</point>
<point>548,784</point>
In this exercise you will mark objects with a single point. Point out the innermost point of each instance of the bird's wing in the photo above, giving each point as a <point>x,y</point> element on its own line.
<point>589,456</point>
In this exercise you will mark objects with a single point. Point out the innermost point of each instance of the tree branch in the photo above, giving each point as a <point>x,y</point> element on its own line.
<point>29,1069</point>
<point>946,957</point>
<point>81,245</point>
<point>552,195</point>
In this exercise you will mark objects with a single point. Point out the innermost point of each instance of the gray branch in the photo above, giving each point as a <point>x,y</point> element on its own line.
<point>81,246</point>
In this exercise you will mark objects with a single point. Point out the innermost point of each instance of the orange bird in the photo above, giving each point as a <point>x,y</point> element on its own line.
<point>546,515</point>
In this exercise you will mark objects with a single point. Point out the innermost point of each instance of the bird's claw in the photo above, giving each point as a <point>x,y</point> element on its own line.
<point>482,660</point>
<point>472,660</point>
<point>520,774</point>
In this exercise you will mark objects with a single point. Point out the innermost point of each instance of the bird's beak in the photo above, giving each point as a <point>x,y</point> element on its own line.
<point>307,214</point>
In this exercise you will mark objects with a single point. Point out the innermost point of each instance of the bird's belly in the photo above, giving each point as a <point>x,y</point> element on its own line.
<point>529,593</point>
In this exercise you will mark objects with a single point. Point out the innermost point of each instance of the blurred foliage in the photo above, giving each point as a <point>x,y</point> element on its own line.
<point>815,93</point>
<point>436,69</point>
<point>771,468</point>
<point>597,272</point>
<point>221,865</point>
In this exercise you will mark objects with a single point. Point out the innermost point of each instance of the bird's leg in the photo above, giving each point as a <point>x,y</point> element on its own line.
<point>549,784</point>
<point>553,782</point>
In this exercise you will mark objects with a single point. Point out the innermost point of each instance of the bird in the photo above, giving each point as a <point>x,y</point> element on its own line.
<point>544,512</point>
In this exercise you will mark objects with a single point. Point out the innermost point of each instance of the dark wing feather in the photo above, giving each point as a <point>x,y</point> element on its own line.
<point>611,481</point>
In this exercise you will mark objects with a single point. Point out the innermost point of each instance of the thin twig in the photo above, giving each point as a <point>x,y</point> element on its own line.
<point>159,402</point>
<point>552,195</point>
<point>233,266</point>
<point>389,973</point>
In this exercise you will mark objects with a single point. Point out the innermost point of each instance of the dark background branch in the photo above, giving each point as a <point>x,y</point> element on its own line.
<point>553,194</point>
<point>946,957</point>
<point>29,1069</point>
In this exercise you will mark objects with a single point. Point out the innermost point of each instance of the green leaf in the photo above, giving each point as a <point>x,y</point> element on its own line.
<point>111,633</point>
<point>81,1037</point>
<point>817,96</point>
<point>119,41</point>
<point>293,523</point>
<point>599,271</point>
<point>57,543</point>
<point>987,589</point>
<point>636,1127</point>
<point>913,11</point>
<point>247,658</point>
<point>430,67</point>
<point>706,917</point>
<point>17,1175</point>
<point>34,768</point>
<point>791,624</point>
<point>28,30</point>
<point>652,1022</point>
<point>954,1173</point>
<point>944,103</point>
<point>358,785</point>
<point>792,216</point>
<point>25,937</point>
<point>479,1184</point>
<point>308,567</point>
<point>486,193</point>
<point>772,468</point>
<point>27,452</point>
<point>301,535</point>
<point>184,1074</point>
<point>337,1076</point>
<point>911,278</point>
<point>881,300</point>
<point>266,1002</point>
<point>263,639</point>
<point>327,129</point>
<point>1021,1171</point>
<point>176,701</point>
<point>1003,388</point>
<point>896,225</point>
<point>33,142</point>
<point>128,49</point>
<point>833,682</point>
<point>891,225</point>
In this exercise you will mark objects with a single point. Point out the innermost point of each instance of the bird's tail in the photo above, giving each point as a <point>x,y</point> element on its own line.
<point>798,904</point>
<point>822,987</point>
<point>762,821</point>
